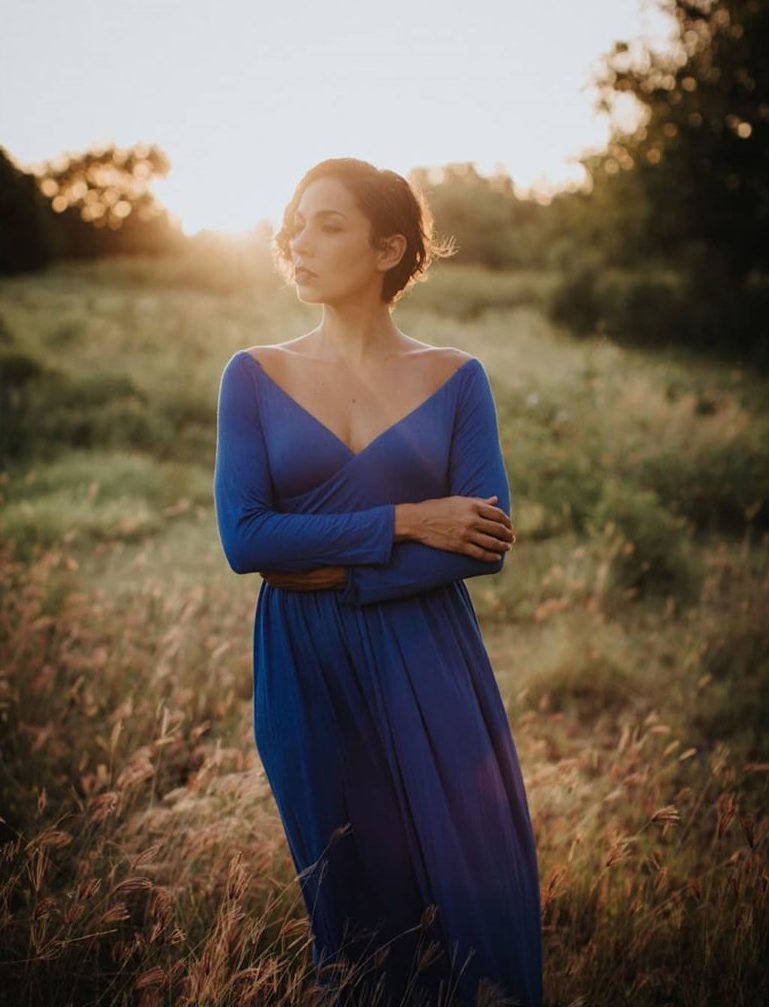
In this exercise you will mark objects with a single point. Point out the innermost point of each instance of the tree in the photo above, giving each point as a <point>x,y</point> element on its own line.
<point>83,205</point>
<point>25,239</point>
<point>491,225</point>
<point>700,155</point>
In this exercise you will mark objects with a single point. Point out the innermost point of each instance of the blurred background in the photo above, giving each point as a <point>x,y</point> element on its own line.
<point>605,175</point>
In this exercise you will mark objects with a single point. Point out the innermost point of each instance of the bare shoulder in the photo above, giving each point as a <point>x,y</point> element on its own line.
<point>459,356</point>
<point>418,348</point>
<point>260,353</point>
<point>271,352</point>
<point>266,350</point>
<point>449,359</point>
<point>437,363</point>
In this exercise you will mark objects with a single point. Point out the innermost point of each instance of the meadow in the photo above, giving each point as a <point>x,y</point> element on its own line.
<point>143,860</point>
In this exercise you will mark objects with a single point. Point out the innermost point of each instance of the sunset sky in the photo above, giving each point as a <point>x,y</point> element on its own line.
<point>244,96</point>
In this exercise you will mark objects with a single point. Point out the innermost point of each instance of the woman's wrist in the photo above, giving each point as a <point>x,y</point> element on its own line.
<point>406,521</point>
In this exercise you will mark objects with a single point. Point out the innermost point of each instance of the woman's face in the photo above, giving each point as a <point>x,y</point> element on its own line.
<point>330,236</point>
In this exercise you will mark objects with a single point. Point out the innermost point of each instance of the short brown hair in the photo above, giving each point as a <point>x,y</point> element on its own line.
<point>392,205</point>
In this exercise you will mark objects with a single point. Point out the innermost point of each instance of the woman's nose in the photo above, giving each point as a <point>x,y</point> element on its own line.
<point>298,242</point>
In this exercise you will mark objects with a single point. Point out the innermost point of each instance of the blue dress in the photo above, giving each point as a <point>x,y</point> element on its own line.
<point>377,715</point>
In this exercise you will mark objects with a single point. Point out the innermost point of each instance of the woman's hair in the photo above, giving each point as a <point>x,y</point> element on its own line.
<point>392,205</point>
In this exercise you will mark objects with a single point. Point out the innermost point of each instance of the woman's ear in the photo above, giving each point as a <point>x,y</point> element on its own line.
<point>392,250</point>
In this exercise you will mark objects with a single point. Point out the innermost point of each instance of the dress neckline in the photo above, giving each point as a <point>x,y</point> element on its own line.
<point>389,429</point>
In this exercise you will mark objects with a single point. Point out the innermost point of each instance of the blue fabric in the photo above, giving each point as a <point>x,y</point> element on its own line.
<point>377,715</point>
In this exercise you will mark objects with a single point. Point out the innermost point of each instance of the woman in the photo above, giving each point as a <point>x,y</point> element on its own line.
<point>359,472</point>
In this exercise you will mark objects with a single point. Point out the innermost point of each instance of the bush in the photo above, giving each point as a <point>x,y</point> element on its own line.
<point>19,370</point>
<point>466,292</point>
<point>701,308</point>
<point>639,308</point>
<point>715,488</point>
<point>45,410</point>
<point>574,300</point>
<point>648,547</point>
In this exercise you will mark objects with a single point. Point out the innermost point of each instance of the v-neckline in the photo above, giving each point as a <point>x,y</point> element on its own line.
<point>379,436</point>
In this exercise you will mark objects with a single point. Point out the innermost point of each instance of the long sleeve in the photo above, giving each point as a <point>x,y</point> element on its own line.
<point>477,469</point>
<point>254,536</point>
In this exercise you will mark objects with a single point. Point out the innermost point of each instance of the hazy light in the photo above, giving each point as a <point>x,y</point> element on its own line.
<point>245,97</point>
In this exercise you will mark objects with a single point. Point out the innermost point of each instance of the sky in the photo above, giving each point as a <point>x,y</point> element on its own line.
<point>245,96</point>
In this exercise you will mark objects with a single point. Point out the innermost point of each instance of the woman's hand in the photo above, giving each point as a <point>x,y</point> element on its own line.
<point>470,525</point>
<point>309,580</point>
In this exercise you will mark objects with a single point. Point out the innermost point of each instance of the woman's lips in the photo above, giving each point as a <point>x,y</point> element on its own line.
<point>304,275</point>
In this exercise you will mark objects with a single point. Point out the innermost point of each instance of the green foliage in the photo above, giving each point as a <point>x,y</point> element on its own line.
<point>734,668</point>
<point>679,201</point>
<point>701,151</point>
<point>703,310</point>
<point>49,409</point>
<point>640,307</point>
<point>18,370</point>
<point>93,204</point>
<point>567,486</point>
<point>715,487</point>
<point>574,299</point>
<point>466,292</point>
<point>637,307</point>
<point>26,241</point>
<point>736,705</point>
<point>91,496</point>
<point>45,521</point>
<point>647,545</point>
<point>491,226</point>
<point>67,335</point>
<point>583,684</point>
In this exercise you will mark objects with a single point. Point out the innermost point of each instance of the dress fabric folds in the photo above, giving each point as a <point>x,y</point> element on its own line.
<point>377,715</point>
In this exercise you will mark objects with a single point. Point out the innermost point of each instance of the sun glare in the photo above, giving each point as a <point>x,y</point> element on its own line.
<point>200,203</point>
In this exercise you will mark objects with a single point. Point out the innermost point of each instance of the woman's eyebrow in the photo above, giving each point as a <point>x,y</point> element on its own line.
<point>320,213</point>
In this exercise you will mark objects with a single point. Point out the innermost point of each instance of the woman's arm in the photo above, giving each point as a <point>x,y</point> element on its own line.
<point>477,469</point>
<point>253,535</point>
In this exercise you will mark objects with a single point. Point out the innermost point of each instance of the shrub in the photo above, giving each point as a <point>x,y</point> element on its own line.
<point>648,546</point>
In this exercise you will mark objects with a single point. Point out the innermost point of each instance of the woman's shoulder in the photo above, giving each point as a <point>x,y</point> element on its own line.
<point>265,349</point>
<point>456,355</point>
<point>261,355</point>
<point>465,365</point>
<point>447,360</point>
<point>264,352</point>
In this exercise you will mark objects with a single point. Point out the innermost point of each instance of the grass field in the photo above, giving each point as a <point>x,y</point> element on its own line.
<point>143,858</point>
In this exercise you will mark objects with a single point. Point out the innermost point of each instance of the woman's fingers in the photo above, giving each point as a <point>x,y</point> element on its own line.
<point>492,556</point>
<point>496,529</point>
<point>494,513</point>
<point>491,544</point>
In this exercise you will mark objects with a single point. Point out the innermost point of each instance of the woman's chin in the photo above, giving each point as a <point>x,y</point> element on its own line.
<point>308,297</point>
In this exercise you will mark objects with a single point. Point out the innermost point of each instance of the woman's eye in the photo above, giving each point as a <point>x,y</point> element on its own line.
<point>292,231</point>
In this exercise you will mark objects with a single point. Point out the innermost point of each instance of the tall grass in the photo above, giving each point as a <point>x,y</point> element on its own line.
<point>143,861</point>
